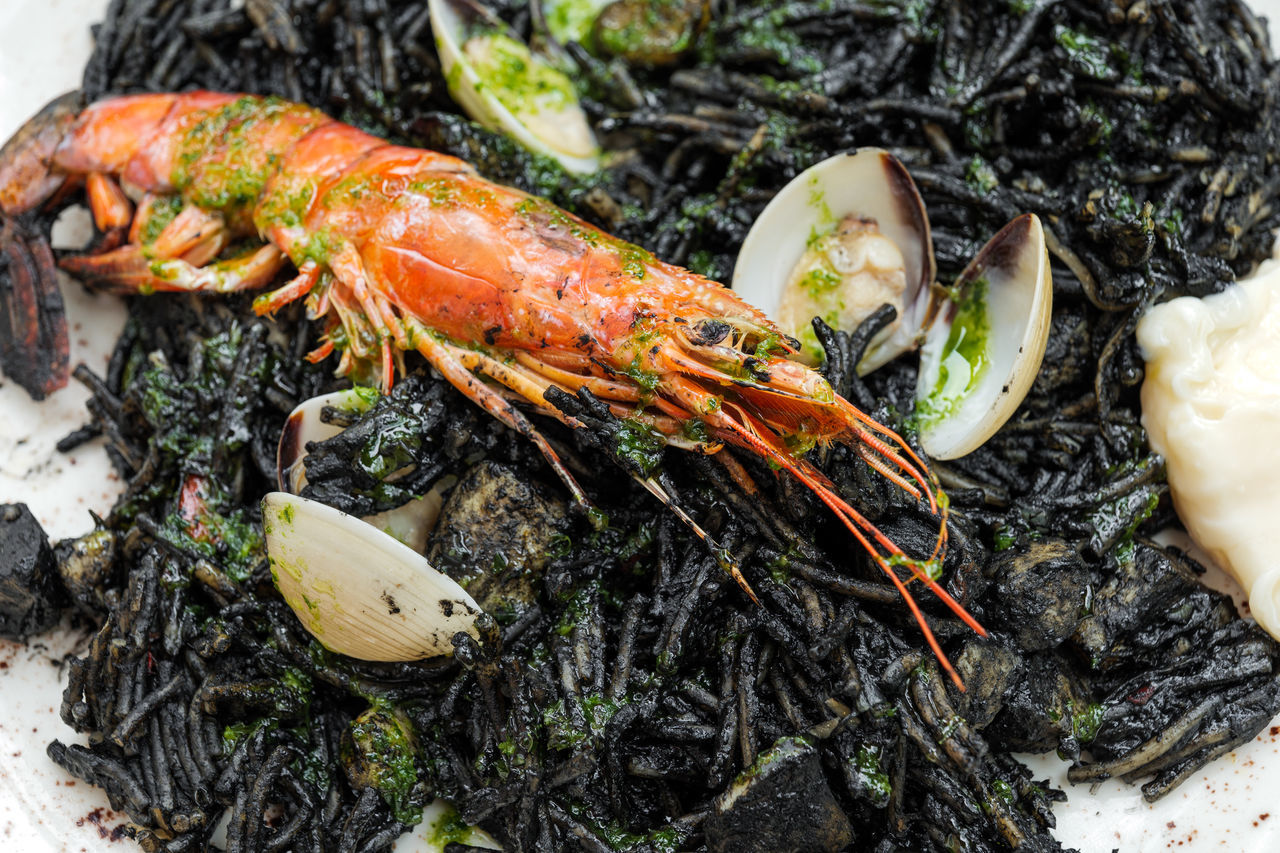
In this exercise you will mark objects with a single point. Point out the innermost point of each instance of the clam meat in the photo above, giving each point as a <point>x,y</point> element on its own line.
<point>844,237</point>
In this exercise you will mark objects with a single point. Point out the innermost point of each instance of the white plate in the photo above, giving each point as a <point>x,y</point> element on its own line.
<point>43,47</point>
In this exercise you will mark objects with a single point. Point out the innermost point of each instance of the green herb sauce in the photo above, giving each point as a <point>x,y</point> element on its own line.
<point>965,358</point>
<point>517,78</point>
<point>571,20</point>
<point>866,765</point>
<point>384,747</point>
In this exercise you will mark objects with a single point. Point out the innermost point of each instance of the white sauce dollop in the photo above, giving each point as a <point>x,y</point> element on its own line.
<point>1211,404</point>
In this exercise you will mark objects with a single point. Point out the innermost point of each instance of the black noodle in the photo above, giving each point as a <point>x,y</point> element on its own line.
<point>622,681</point>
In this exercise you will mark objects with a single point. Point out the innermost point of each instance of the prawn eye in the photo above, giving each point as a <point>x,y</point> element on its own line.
<point>709,332</point>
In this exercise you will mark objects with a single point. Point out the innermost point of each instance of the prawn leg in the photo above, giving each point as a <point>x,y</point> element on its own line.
<point>129,270</point>
<point>443,359</point>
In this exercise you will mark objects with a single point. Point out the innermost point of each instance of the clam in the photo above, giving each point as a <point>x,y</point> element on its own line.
<point>305,425</point>
<point>410,523</point>
<point>844,237</point>
<point>356,589</point>
<point>851,234</point>
<point>505,86</point>
<point>984,347</point>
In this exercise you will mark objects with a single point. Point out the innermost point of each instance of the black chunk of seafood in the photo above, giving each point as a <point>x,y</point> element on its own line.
<point>1183,680</point>
<point>1153,603</point>
<point>782,802</point>
<point>1041,706</point>
<point>989,669</point>
<point>1044,588</point>
<point>495,535</point>
<point>29,592</point>
<point>33,328</point>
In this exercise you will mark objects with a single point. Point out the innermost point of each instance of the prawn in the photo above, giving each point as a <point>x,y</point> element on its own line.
<point>402,249</point>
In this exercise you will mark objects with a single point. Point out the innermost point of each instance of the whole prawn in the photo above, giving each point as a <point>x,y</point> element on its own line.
<point>403,249</point>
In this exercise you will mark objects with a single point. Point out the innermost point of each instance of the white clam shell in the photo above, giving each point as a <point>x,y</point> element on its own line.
<point>357,590</point>
<point>957,412</point>
<point>565,134</point>
<point>870,184</point>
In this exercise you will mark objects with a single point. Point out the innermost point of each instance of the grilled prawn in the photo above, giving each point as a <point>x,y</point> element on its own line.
<point>405,249</point>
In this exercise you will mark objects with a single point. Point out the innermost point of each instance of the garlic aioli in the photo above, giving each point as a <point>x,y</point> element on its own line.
<point>1211,405</point>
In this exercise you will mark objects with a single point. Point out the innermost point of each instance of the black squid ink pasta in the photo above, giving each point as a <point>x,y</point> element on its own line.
<point>622,683</point>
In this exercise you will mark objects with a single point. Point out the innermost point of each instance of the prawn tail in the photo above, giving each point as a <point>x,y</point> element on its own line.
<point>33,326</point>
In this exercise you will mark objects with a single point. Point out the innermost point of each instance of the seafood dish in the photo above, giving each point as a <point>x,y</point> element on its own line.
<point>455,478</point>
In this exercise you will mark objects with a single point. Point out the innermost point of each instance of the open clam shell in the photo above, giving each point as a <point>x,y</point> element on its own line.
<point>411,523</point>
<point>508,88</point>
<point>841,239</point>
<point>984,347</point>
<point>357,590</point>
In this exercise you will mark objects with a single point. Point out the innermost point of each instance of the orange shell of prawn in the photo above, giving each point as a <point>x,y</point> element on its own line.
<point>504,293</point>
